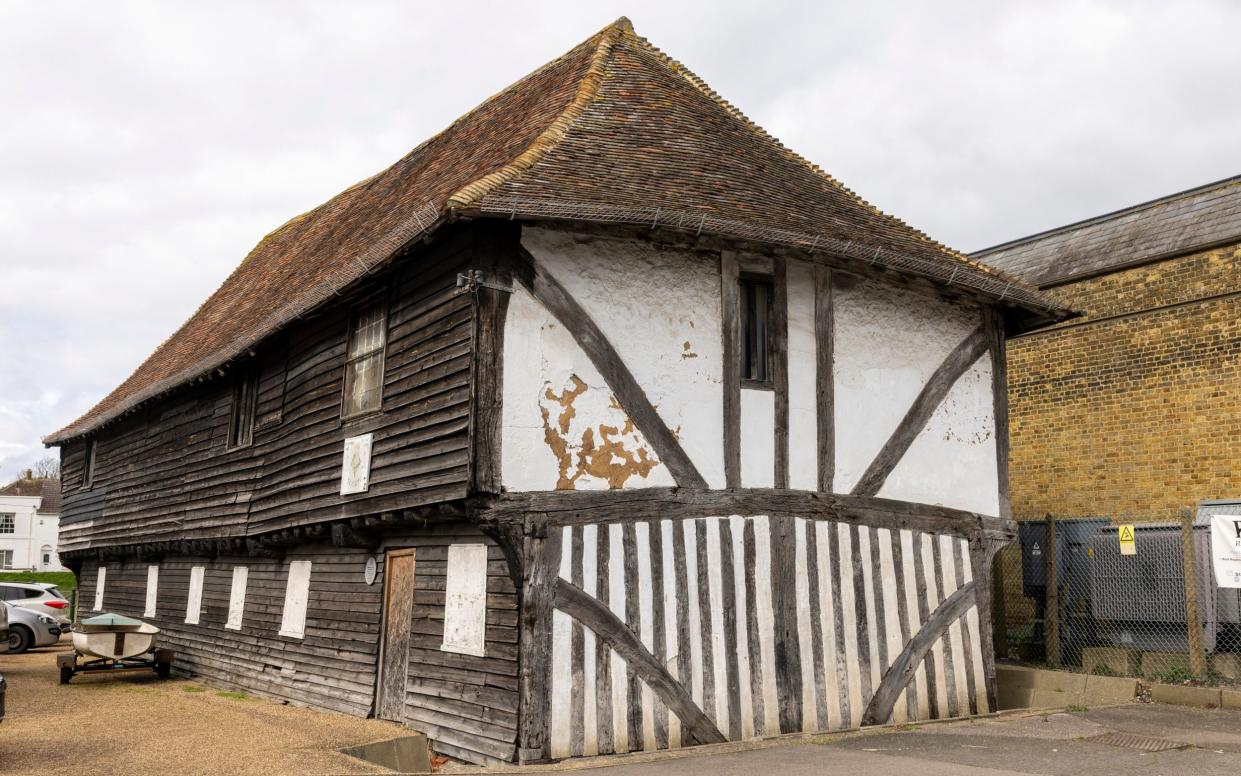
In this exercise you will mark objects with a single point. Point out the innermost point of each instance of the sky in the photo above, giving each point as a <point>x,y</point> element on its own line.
<point>146,147</point>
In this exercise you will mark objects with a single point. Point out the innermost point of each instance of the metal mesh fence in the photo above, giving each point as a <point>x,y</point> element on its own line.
<point>1109,596</point>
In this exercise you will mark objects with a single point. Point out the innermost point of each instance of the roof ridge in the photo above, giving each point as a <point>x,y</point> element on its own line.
<point>472,193</point>
<point>1111,215</point>
<point>703,87</point>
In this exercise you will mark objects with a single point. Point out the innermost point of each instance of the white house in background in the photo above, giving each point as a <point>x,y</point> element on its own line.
<point>30,524</point>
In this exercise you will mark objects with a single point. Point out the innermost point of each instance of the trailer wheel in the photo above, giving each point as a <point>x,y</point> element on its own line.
<point>66,673</point>
<point>163,670</point>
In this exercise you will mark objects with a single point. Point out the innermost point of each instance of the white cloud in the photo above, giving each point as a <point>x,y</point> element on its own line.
<point>146,147</point>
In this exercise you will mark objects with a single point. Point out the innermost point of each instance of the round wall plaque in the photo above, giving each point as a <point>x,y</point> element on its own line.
<point>372,567</point>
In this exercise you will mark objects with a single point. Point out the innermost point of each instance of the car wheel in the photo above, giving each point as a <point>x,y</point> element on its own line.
<point>20,639</point>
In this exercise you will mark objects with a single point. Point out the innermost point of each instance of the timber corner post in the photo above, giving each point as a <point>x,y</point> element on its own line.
<point>540,569</point>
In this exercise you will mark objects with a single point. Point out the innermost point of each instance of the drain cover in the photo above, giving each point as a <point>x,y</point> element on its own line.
<point>1132,741</point>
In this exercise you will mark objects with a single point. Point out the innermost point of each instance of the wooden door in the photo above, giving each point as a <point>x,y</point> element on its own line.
<point>394,653</point>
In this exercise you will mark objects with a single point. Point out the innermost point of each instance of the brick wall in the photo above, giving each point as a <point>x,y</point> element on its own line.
<point>1135,409</point>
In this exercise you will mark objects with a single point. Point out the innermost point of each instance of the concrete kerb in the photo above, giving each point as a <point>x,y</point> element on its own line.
<point>767,742</point>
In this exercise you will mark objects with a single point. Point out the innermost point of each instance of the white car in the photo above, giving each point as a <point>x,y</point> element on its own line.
<point>40,597</point>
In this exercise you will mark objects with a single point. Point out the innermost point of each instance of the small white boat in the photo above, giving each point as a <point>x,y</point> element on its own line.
<point>113,637</point>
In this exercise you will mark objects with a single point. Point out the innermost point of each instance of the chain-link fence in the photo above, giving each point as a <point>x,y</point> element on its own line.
<point>1108,596</point>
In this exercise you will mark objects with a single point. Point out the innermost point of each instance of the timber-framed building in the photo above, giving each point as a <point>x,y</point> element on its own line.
<point>600,422</point>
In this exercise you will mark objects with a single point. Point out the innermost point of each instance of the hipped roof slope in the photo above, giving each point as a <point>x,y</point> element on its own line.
<point>614,131</point>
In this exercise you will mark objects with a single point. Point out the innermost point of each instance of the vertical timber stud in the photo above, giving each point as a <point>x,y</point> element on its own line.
<point>825,380</point>
<point>495,251</point>
<point>982,558</point>
<point>541,546</point>
<point>780,368</point>
<point>1193,608</point>
<point>730,314</point>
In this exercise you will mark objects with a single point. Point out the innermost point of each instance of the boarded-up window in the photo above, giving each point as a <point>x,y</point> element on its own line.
<point>194,603</point>
<point>756,331</point>
<point>365,365</point>
<point>237,597</point>
<point>355,470</point>
<point>88,468</point>
<point>296,595</point>
<point>99,580</point>
<point>465,600</point>
<point>245,396</point>
<point>152,591</point>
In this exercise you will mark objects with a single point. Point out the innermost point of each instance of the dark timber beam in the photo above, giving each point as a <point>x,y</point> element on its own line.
<point>730,304</point>
<point>590,338</point>
<point>541,549</point>
<point>592,614</point>
<point>579,507</point>
<point>958,361</point>
<point>825,382</point>
<point>495,247</point>
<point>993,323</point>
<point>901,671</point>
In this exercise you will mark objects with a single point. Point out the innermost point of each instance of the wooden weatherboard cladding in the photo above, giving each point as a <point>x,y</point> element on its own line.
<point>170,472</point>
<point>466,704</point>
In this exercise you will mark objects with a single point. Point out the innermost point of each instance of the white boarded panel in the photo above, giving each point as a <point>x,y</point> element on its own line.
<point>194,601</point>
<point>890,612</point>
<point>803,391</point>
<point>912,586</point>
<point>758,438</point>
<point>809,702</point>
<point>152,591</point>
<point>562,659</point>
<point>355,468</point>
<point>646,609</point>
<point>743,638</point>
<point>616,602</point>
<point>766,622</point>
<point>931,586</point>
<point>848,611</point>
<point>465,600</point>
<point>100,578</point>
<point>833,685</point>
<point>694,610</point>
<point>715,589</point>
<point>296,596</point>
<point>590,586</point>
<point>971,618</point>
<point>672,645</point>
<point>947,545</point>
<point>869,585</point>
<point>237,597</point>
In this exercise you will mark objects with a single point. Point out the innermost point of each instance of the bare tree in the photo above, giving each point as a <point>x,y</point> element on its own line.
<point>47,467</point>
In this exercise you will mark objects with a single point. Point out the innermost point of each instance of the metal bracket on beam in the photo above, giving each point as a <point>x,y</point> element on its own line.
<point>471,280</point>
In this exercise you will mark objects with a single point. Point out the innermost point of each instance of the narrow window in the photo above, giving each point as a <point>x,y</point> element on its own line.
<point>465,600</point>
<point>88,470</point>
<point>296,595</point>
<point>756,295</point>
<point>8,522</point>
<point>194,602</point>
<point>365,365</point>
<point>152,591</point>
<point>237,597</point>
<point>245,398</point>
<point>99,580</point>
<point>6,559</point>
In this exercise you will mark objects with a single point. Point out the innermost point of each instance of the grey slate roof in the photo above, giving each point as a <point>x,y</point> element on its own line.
<point>1179,223</point>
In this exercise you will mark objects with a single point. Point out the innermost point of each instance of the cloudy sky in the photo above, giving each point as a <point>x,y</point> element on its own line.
<point>146,147</point>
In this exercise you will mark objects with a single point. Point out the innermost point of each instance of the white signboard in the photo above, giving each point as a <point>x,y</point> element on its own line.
<point>355,470</point>
<point>237,598</point>
<point>152,590</point>
<point>99,579</point>
<point>296,595</point>
<point>194,603</point>
<point>465,600</point>
<point>1226,549</point>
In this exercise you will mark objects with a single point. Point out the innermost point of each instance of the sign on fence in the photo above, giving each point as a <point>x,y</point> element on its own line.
<point>1127,544</point>
<point>1226,549</point>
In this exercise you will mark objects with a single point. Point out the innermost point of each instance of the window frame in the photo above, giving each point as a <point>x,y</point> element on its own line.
<point>745,281</point>
<point>380,304</point>
<point>11,519</point>
<point>6,560</point>
<point>249,379</point>
<point>88,466</point>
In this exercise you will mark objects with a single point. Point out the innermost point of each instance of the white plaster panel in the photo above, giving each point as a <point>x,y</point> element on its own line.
<point>237,597</point>
<point>952,461</point>
<point>296,598</point>
<point>555,404</point>
<point>100,578</point>
<point>152,591</point>
<point>803,394</point>
<point>194,601</point>
<point>758,438</point>
<point>660,309</point>
<point>465,600</point>
<point>888,342</point>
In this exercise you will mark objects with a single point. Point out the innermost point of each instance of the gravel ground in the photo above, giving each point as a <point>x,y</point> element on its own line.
<point>132,723</point>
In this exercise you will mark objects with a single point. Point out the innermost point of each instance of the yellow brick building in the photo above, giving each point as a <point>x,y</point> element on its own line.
<point>1133,409</point>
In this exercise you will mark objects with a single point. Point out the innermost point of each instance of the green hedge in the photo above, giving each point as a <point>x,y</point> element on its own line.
<point>62,579</point>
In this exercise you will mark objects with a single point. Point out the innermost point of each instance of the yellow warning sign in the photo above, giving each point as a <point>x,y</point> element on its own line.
<point>1127,545</point>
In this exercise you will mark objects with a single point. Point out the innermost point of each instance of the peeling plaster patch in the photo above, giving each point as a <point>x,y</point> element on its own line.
<point>686,347</point>
<point>606,452</point>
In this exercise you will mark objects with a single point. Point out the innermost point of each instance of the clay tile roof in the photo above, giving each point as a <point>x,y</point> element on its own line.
<point>614,131</point>
<point>46,487</point>
<point>1197,219</point>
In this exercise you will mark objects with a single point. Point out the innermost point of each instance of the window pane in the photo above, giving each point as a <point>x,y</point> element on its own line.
<point>755,312</point>
<point>363,380</point>
<point>8,523</point>
<point>367,335</point>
